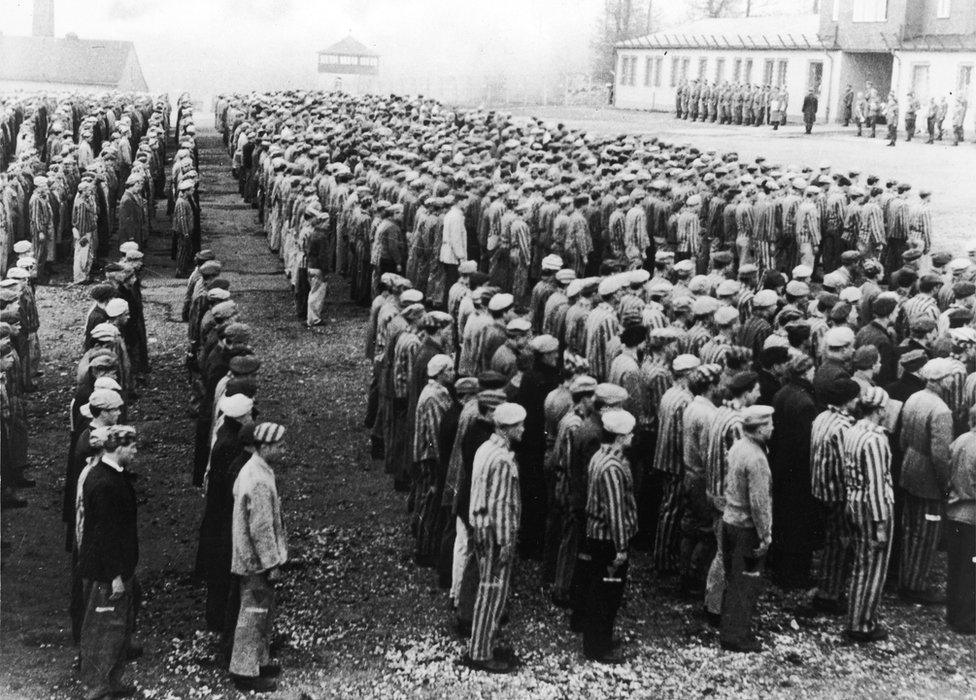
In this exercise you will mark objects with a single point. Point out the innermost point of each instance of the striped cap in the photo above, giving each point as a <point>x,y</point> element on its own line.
<point>268,433</point>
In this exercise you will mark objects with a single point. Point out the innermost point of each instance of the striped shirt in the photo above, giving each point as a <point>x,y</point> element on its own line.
<point>827,454</point>
<point>725,429</point>
<point>496,502</point>
<point>653,316</point>
<point>611,509</point>
<point>695,422</point>
<point>867,469</point>
<point>669,446</point>
<point>601,326</point>
<point>954,394</point>
<point>715,350</point>
<point>404,354</point>
<point>625,372</point>
<point>657,379</point>
<point>575,326</point>
<point>695,338</point>
<point>434,401</point>
<point>562,455</point>
<point>920,306</point>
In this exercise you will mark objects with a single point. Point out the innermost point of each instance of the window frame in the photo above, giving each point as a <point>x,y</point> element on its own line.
<point>961,89</point>
<point>747,72</point>
<point>943,9</point>
<point>719,71</point>
<point>658,69</point>
<point>865,11</point>
<point>675,61</point>
<point>782,68</point>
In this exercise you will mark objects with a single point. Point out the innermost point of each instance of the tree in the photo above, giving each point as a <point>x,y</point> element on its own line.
<point>717,8</point>
<point>621,20</point>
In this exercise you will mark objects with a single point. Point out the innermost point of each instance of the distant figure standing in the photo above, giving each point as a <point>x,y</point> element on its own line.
<point>911,113</point>
<point>860,112</point>
<point>810,105</point>
<point>940,118</point>
<point>958,119</point>
<point>891,117</point>
<point>848,105</point>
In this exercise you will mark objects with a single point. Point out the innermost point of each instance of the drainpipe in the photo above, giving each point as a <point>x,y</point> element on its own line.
<point>830,85</point>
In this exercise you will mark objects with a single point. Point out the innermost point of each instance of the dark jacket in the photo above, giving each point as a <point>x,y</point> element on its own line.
<point>875,334</point>
<point>110,543</point>
<point>226,459</point>
<point>795,521</point>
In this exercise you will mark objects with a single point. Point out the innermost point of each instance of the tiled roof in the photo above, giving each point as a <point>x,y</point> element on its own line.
<point>797,31</point>
<point>349,47</point>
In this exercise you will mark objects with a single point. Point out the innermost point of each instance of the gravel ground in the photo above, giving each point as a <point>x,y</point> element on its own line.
<point>357,619</point>
<point>940,167</point>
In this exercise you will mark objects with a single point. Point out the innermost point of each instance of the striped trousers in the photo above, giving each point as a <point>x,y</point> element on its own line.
<point>665,552</point>
<point>490,603</point>
<point>836,555</point>
<point>569,543</point>
<point>715,582</point>
<point>921,523</point>
<point>765,256</point>
<point>869,569</point>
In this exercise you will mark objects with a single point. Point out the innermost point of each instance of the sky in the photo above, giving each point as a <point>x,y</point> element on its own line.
<point>209,46</point>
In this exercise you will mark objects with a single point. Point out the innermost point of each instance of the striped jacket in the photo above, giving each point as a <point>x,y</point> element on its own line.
<point>669,446</point>
<point>496,502</point>
<point>827,454</point>
<point>601,326</point>
<point>657,379</point>
<point>611,509</point>
<point>867,469</point>
<point>725,429</point>
<point>435,400</point>
<point>562,455</point>
<point>405,351</point>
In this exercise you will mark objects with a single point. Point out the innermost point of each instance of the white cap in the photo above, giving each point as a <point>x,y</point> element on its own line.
<point>438,363</point>
<point>838,337</point>
<point>508,414</point>
<point>618,422</point>
<point>500,302</point>
<point>608,285</point>
<point>236,406</point>
<point>116,307</point>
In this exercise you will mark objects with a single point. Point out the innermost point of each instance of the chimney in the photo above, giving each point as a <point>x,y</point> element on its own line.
<point>44,18</point>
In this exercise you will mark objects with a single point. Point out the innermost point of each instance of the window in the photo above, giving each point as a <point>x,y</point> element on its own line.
<point>702,67</point>
<point>815,75</point>
<point>632,78</point>
<point>747,76</point>
<point>835,11</point>
<point>781,72</point>
<point>965,81</point>
<point>658,69</point>
<point>942,9</point>
<point>674,72</point>
<point>768,72</point>
<point>622,71</point>
<point>685,67</point>
<point>870,10</point>
<point>648,71</point>
<point>736,70</point>
<point>920,79</point>
<point>719,70</point>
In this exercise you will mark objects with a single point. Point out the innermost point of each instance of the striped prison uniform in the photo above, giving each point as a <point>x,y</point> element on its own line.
<point>611,522</point>
<point>714,351</point>
<point>870,502</point>
<point>669,462</point>
<point>495,514</point>
<point>559,514</point>
<point>827,485</point>
<point>725,429</point>
<point>601,326</point>
<point>434,402</point>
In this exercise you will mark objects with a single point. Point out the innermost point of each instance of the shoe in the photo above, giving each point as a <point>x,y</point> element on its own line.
<point>272,670</point>
<point>713,619</point>
<point>123,691</point>
<point>921,597</point>
<point>610,658</point>
<point>254,684</point>
<point>877,634</point>
<point>744,648</point>
<point>488,665</point>
<point>462,628</point>
<point>24,483</point>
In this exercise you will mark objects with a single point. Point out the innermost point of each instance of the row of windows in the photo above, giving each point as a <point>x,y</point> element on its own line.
<point>343,60</point>
<point>773,73</point>
<point>877,10</point>
<point>920,79</point>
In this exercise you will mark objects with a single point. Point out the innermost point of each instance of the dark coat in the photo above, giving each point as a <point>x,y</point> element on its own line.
<point>875,334</point>
<point>810,105</point>
<point>110,543</point>
<point>795,511</point>
<point>226,459</point>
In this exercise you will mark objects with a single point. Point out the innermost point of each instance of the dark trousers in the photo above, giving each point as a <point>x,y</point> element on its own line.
<point>697,539</point>
<point>872,124</point>
<point>808,124</point>
<point>301,293</point>
<point>105,636</point>
<point>930,128</point>
<point>450,277</point>
<point>961,586</point>
<point>743,583</point>
<point>910,127</point>
<point>604,593</point>
<point>892,133</point>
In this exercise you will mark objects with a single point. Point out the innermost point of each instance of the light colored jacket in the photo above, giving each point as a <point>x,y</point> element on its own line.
<point>258,536</point>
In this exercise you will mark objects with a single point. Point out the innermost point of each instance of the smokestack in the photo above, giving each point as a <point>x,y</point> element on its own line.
<point>44,18</point>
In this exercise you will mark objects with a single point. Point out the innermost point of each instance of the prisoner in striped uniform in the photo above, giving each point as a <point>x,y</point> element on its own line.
<point>433,404</point>
<point>726,428</point>
<point>602,325</point>
<point>668,464</point>
<point>611,522</point>
<point>926,435</point>
<point>870,512</point>
<point>827,438</point>
<point>495,515</point>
